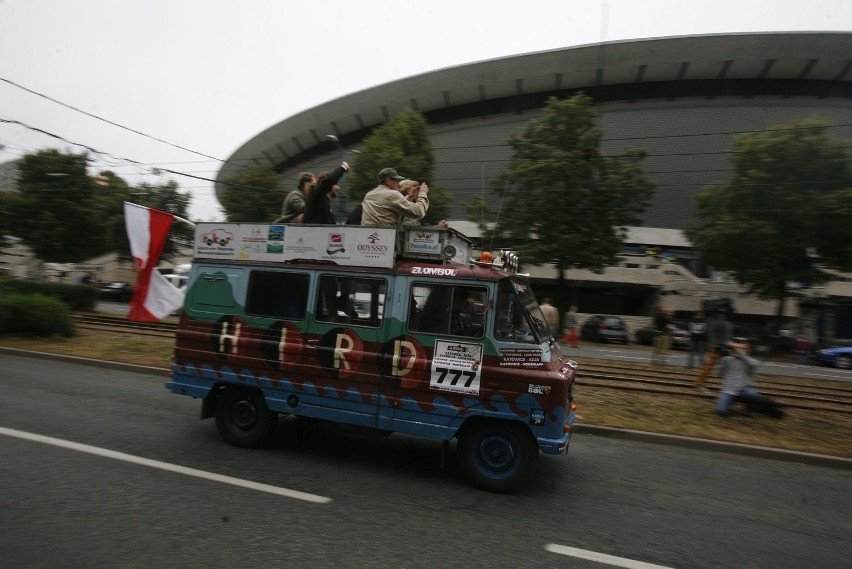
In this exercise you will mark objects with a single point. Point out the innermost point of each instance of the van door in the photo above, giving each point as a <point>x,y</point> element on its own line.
<point>435,362</point>
<point>344,339</point>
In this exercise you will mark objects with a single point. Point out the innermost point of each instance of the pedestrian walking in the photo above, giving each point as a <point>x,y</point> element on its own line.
<point>719,332</point>
<point>570,324</point>
<point>802,348</point>
<point>697,328</point>
<point>662,336</point>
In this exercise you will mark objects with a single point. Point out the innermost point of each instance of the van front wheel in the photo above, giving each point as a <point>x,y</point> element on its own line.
<point>498,457</point>
<point>243,419</point>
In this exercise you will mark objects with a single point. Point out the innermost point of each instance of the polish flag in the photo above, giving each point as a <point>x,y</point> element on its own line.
<point>154,297</point>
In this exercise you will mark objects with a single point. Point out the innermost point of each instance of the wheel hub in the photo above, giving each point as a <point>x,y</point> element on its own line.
<point>244,414</point>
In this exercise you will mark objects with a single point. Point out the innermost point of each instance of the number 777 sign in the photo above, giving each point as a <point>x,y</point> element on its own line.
<point>456,367</point>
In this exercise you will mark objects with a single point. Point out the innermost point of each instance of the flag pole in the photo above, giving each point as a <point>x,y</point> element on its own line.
<point>186,221</point>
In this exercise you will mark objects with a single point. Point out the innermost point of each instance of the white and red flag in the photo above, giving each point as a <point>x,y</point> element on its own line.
<point>154,297</point>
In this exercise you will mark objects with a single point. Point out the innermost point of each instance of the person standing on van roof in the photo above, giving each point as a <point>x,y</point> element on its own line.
<point>318,204</point>
<point>294,204</point>
<point>385,205</point>
<point>410,189</point>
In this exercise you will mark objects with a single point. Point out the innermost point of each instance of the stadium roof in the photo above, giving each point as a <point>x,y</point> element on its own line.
<point>794,64</point>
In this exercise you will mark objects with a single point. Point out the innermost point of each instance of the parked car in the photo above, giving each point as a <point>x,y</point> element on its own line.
<point>605,328</point>
<point>837,356</point>
<point>116,292</point>
<point>679,336</point>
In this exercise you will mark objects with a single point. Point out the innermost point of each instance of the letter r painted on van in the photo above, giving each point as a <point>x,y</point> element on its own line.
<point>340,352</point>
<point>344,346</point>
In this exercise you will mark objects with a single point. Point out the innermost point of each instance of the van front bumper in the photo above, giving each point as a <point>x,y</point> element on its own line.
<point>560,445</point>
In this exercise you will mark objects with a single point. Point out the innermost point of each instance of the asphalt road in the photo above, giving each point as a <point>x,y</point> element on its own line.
<point>105,468</point>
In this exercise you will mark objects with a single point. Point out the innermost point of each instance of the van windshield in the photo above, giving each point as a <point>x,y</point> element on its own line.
<point>519,318</point>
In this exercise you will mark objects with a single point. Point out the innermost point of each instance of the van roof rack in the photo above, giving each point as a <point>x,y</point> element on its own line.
<point>348,245</point>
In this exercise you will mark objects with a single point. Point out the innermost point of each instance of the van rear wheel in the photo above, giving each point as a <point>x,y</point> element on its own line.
<point>495,456</point>
<point>243,419</point>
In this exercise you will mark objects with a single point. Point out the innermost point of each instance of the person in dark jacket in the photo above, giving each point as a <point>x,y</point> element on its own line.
<point>662,338</point>
<point>354,217</point>
<point>719,333</point>
<point>318,205</point>
<point>697,340</point>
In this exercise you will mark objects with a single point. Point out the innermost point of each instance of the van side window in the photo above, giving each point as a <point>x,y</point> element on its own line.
<point>351,300</point>
<point>278,294</point>
<point>447,309</point>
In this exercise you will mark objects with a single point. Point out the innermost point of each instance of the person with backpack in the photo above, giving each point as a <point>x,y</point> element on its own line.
<point>719,332</point>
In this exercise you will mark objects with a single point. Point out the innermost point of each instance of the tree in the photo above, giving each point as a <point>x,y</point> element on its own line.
<point>402,143</point>
<point>255,194</point>
<point>55,210</point>
<point>66,216</point>
<point>561,200</point>
<point>786,213</point>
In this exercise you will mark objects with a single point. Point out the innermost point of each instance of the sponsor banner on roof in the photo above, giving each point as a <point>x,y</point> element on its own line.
<point>342,244</point>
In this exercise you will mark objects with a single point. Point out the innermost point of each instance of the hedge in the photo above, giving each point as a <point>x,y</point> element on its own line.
<point>34,315</point>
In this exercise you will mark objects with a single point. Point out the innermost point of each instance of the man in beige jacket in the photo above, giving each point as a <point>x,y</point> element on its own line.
<point>385,205</point>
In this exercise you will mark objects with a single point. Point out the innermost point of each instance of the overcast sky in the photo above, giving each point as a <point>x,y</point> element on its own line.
<point>207,75</point>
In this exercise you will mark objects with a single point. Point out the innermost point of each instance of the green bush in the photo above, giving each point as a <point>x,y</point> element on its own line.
<point>34,315</point>
<point>78,298</point>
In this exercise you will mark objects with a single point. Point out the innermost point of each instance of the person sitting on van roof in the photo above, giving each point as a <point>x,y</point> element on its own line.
<point>410,189</point>
<point>385,205</point>
<point>318,204</point>
<point>294,204</point>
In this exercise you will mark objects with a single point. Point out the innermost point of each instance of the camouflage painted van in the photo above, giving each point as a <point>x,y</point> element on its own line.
<point>361,326</point>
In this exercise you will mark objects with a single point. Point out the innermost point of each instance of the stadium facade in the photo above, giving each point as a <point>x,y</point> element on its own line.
<point>683,99</point>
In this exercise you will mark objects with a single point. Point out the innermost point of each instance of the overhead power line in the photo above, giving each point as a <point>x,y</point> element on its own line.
<point>88,114</point>
<point>154,170</point>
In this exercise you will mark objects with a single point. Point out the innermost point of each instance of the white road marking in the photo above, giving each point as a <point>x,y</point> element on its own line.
<point>601,557</point>
<point>287,493</point>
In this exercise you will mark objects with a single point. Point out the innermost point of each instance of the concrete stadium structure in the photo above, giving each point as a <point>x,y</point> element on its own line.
<point>683,99</point>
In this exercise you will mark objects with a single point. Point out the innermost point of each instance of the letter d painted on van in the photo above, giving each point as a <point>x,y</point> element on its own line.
<point>404,353</point>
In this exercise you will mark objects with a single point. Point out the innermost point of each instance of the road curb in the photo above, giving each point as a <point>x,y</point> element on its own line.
<point>151,370</point>
<point>594,430</point>
<point>717,446</point>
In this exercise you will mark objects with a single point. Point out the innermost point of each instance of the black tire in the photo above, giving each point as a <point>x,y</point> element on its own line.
<point>243,419</point>
<point>843,362</point>
<point>497,456</point>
